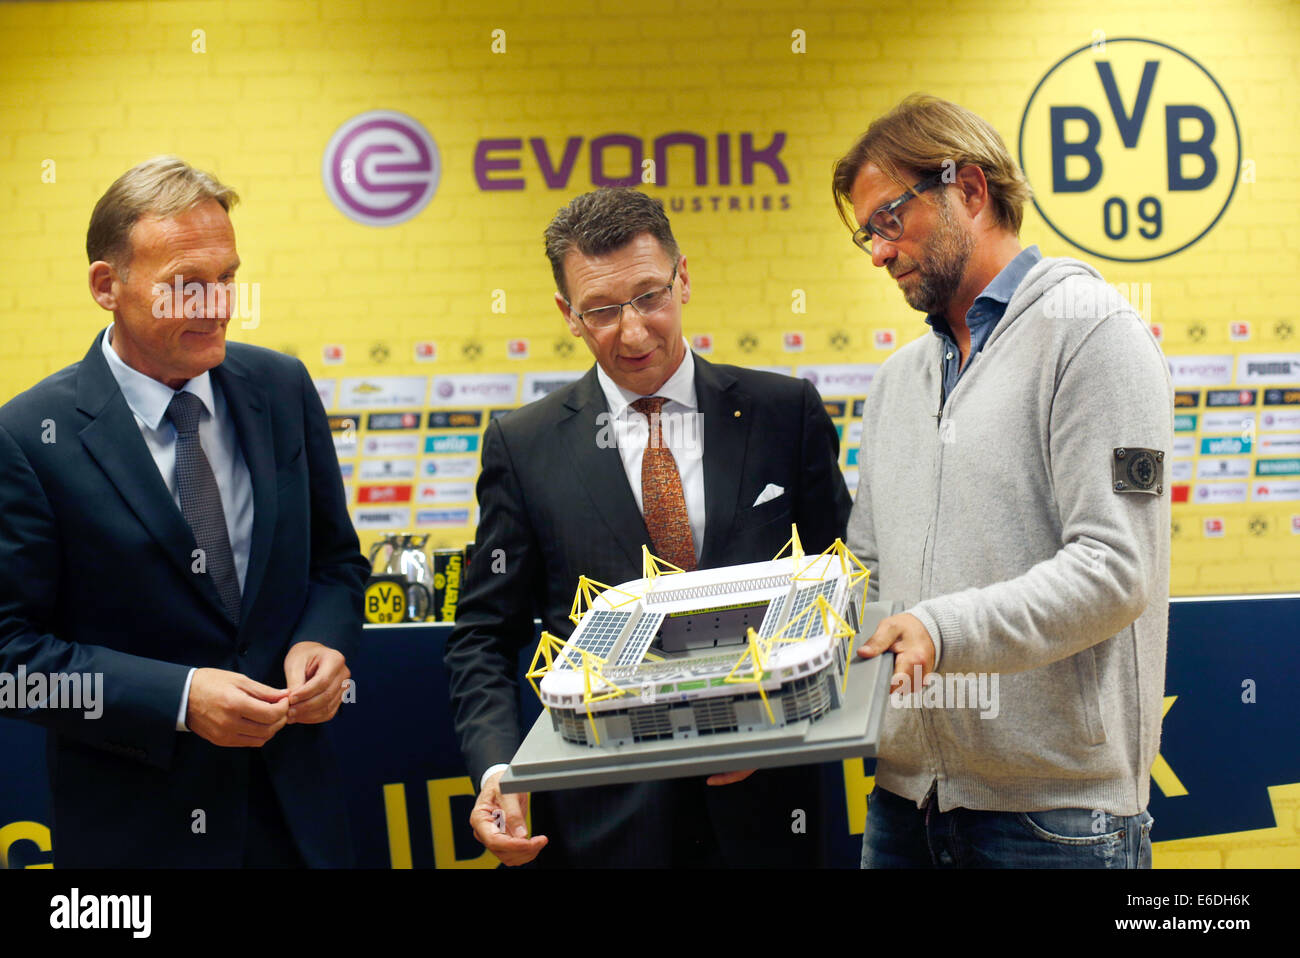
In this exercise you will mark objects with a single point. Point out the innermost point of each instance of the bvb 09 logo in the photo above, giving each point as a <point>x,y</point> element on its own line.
<point>1132,149</point>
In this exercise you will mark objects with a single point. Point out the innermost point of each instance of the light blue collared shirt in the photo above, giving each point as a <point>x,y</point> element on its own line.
<point>983,315</point>
<point>148,400</point>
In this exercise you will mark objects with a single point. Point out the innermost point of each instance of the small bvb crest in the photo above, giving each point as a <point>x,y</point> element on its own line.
<point>1138,470</point>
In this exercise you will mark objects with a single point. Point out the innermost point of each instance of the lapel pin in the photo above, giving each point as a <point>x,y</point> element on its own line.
<point>737,414</point>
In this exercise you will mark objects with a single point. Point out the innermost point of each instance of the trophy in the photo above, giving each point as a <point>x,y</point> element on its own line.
<point>403,557</point>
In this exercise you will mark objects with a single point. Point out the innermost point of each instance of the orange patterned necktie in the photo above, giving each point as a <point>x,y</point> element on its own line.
<point>662,501</point>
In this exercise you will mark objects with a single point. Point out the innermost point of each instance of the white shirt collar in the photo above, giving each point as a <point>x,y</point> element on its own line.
<point>680,387</point>
<point>148,398</point>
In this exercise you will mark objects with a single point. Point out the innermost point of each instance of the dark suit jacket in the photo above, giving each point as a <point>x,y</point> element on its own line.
<point>558,505</point>
<point>95,577</point>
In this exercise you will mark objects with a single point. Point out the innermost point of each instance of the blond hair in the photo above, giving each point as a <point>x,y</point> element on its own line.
<point>929,135</point>
<point>163,187</point>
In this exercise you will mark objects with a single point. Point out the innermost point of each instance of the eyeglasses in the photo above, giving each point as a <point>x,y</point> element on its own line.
<point>647,304</point>
<point>884,222</point>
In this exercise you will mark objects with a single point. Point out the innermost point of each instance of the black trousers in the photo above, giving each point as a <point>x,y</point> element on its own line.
<point>268,842</point>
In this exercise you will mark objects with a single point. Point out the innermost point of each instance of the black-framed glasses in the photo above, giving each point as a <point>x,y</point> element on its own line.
<point>884,222</point>
<point>647,304</point>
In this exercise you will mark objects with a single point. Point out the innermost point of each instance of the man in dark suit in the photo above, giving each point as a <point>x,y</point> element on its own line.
<point>172,521</point>
<point>577,482</point>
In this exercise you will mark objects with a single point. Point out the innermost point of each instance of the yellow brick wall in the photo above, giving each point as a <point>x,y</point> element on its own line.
<point>96,87</point>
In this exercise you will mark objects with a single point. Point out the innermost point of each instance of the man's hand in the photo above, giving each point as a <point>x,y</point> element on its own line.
<point>513,846</point>
<point>729,778</point>
<point>315,674</point>
<point>907,638</point>
<point>233,711</point>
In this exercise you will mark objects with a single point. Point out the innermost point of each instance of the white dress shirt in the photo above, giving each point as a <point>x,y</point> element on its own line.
<point>148,400</point>
<point>681,427</point>
<point>682,431</point>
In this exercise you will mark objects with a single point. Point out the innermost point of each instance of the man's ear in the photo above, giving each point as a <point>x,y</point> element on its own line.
<point>685,277</point>
<point>974,190</point>
<point>574,323</point>
<point>103,289</point>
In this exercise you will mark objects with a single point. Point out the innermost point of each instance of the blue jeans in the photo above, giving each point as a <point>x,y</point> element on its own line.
<point>900,835</point>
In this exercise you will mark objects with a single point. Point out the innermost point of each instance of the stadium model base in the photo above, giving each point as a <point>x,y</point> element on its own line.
<point>695,673</point>
<point>545,762</point>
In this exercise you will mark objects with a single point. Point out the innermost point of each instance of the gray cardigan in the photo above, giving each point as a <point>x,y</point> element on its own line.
<point>998,525</point>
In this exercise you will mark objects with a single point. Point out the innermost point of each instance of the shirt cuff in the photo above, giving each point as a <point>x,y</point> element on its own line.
<point>932,627</point>
<point>185,704</point>
<point>492,770</point>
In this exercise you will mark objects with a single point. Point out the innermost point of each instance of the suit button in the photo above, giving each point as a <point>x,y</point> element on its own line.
<point>243,650</point>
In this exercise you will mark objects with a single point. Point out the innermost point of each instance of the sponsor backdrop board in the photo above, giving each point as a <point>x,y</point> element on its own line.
<point>1156,140</point>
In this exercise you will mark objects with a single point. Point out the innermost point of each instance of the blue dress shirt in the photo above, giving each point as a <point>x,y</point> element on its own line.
<point>982,317</point>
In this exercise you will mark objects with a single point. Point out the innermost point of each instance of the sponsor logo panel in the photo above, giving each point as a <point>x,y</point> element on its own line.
<point>1284,491</point>
<point>452,442</point>
<point>1223,469</point>
<point>1216,493</point>
<point>387,469</point>
<point>445,492</point>
<point>840,379</point>
<point>379,392</point>
<point>1200,370</point>
<point>449,467</point>
<point>1230,397</point>
<point>474,389</point>
<point>1242,422</point>
<point>387,421</point>
<point>1268,368</point>
<point>383,493</point>
<point>444,518</point>
<point>381,518</point>
<point>459,419</point>
<point>390,446</point>
<point>537,385</point>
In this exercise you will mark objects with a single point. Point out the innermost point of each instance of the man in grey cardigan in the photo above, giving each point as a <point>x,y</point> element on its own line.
<point>1012,496</point>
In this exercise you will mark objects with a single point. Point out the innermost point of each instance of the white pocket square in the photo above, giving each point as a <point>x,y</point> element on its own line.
<point>768,494</point>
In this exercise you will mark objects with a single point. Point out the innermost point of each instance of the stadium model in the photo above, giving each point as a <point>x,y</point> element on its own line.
<point>676,655</point>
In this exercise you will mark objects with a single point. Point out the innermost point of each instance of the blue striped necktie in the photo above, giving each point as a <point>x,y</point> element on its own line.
<point>201,500</point>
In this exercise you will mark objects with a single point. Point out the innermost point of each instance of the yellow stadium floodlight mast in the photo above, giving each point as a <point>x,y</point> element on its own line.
<point>549,648</point>
<point>842,631</point>
<point>862,575</point>
<point>587,590</point>
<point>793,544</point>
<point>833,624</point>
<point>756,650</point>
<point>847,561</point>
<point>652,567</point>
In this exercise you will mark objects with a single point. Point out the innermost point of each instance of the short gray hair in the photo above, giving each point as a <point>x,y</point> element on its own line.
<point>163,186</point>
<point>602,221</point>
